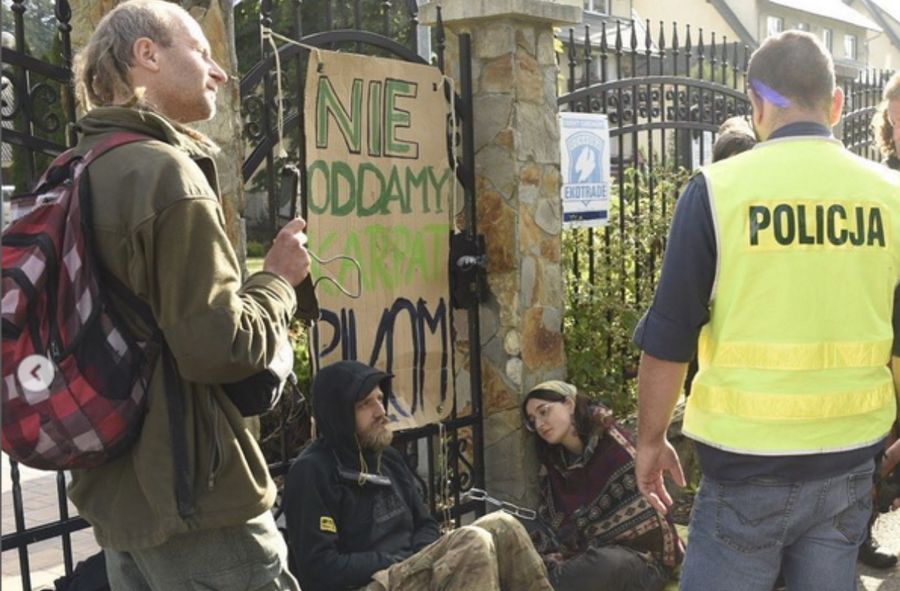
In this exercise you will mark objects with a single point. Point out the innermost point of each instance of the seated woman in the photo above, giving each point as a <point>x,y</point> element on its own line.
<point>598,532</point>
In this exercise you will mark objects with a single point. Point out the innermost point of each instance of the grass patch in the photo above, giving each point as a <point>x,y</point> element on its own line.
<point>254,264</point>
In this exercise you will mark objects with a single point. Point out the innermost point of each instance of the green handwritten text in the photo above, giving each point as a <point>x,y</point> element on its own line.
<point>391,257</point>
<point>383,113</point>
<point>340,190</point>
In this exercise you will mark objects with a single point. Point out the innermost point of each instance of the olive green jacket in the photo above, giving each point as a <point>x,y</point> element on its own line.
<point>159,228</point>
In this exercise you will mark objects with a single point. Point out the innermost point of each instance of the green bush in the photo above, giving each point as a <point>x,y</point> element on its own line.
<point>255,250</point>
<point>602,311</point>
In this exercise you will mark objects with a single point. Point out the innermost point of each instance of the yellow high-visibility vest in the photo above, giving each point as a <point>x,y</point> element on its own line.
<point>794,358</point>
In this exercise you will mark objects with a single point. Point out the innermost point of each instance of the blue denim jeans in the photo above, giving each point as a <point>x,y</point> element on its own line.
<point>742,532</point>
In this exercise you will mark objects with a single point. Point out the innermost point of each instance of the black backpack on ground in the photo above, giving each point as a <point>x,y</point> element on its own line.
<point>89,575</point>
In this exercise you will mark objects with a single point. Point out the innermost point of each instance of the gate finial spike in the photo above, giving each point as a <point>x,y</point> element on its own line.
<point>662,47</point>
<point>618,36</point>
<point>604,46</point>
<point>648,41</point>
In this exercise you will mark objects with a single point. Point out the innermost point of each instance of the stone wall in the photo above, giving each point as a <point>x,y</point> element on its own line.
<point>517,179</point>
<point>519,211</point>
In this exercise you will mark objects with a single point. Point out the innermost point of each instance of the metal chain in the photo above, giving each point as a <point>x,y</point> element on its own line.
<point>477,494</point>
<point>444,476</point>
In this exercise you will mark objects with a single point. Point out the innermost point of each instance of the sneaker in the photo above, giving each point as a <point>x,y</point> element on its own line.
<point>870,556</point>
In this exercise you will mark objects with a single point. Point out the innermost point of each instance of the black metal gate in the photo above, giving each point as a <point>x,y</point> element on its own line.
<point>448,458</point>
<point>38,104</point>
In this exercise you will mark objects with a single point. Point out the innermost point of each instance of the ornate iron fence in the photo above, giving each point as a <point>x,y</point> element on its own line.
<point>665,90</point>
<point>861,99</point>
<point>42,95</point>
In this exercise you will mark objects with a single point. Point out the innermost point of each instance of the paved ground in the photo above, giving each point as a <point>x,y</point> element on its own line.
<point>41,503</point>
<point>887,532</point>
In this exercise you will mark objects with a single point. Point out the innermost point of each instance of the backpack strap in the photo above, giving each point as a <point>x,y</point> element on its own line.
<point>57,172</point>
<point>184,494</point>
<point>79,175</point>
<point>175,400</point>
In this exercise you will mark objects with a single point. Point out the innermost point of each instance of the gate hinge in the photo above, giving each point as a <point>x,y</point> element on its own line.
<point>468,266</point>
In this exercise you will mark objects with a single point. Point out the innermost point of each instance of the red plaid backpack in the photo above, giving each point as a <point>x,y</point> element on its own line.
<point>82,401</point>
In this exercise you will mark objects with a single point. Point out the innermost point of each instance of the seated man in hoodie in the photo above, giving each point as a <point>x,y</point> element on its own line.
<point>355,518</point>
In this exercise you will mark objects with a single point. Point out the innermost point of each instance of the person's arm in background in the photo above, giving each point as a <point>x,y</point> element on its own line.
<point>544,538</point>
<point>425,526</point>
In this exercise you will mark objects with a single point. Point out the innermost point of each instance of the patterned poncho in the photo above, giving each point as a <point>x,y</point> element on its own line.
<point>594,500</point>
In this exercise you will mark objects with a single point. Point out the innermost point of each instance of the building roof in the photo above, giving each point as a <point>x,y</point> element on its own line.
<point>833,9</point>
<point>734,22</point>
<point>881,11</point>
<point>889,7</point>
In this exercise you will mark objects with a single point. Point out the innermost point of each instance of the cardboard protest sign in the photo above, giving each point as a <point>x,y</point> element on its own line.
<point>379,189</point>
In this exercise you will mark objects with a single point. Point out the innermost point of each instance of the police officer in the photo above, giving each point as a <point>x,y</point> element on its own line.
<point>782,262</point>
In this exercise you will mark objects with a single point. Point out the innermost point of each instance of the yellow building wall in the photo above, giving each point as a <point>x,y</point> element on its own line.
<point>882,53</point>
<point>698,14</point>
<point>817,24</point>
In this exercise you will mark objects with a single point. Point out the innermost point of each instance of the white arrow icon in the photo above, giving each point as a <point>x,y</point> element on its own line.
<point>36,373</point>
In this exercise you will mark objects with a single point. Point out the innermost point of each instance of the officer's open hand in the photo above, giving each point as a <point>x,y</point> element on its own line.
<point>288,256</point>
<point>651,461</point>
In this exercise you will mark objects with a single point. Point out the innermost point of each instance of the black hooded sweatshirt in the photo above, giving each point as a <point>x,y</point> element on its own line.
<point>341,532</point>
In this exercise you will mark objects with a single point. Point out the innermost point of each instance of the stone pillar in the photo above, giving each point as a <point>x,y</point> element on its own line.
<point>216,17</point>
<point>515,77</point>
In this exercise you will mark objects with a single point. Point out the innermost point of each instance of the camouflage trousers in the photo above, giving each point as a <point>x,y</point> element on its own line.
<point>493,554</point>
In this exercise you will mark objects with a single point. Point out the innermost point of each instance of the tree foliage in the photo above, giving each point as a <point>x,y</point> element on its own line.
<point>39,20</point>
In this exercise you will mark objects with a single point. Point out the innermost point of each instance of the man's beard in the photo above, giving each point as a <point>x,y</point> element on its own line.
<point>376,438</point>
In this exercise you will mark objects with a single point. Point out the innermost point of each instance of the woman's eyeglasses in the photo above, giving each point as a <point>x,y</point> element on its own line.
<point>541,413</point>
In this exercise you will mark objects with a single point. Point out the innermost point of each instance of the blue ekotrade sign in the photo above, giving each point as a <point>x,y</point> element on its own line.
<point>584,141</point>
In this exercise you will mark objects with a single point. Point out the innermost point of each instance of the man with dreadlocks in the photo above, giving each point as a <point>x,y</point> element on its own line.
<point>187,505</point>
